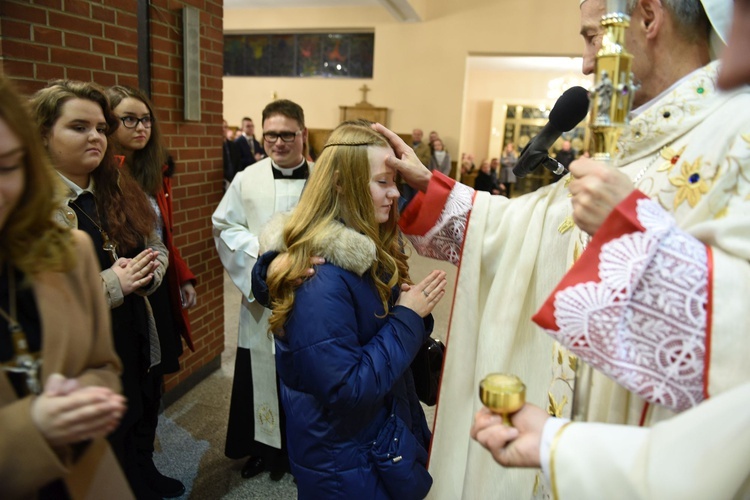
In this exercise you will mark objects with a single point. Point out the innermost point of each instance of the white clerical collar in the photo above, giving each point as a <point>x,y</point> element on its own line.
<point>287,172</point>
<point>75,189</point>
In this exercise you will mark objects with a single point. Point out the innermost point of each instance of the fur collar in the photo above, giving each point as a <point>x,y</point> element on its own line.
<point>339,244</point>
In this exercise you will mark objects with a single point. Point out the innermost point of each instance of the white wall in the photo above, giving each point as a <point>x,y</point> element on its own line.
<point>419,69</point>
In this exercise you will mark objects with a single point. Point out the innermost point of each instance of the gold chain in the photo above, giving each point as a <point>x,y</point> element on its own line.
<point>108,245</point>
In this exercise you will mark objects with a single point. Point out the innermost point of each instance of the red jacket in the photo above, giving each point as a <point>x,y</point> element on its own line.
<point>178,271</point>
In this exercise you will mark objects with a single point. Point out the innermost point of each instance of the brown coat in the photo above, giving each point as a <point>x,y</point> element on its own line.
<point>77,343</point>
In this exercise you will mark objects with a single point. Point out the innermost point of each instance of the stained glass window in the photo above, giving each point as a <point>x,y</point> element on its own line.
<point>333,55</point>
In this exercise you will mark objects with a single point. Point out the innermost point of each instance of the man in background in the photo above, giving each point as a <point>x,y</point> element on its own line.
<point>250,149</point>
<point>231,154</point>
<point>421,149</point>
<point>565,157</point>
<point>424,154</point>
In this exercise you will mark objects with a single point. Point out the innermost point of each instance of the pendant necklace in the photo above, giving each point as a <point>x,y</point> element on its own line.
<point>108,245</point>
<point>24,361</point>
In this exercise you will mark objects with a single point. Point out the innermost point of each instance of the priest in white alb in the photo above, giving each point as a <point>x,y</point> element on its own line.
<point>273,184</point>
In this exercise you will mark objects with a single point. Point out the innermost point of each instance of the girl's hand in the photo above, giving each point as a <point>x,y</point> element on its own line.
<point>136,272</point>
<point>424,296</point>
<point>188,295</point>
<point>81,414</point>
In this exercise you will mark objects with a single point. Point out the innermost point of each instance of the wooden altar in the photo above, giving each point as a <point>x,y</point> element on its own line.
<point>363,110</point>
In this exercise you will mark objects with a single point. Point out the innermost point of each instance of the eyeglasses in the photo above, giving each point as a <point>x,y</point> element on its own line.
<point>272,137</point>
<point>132,121</point>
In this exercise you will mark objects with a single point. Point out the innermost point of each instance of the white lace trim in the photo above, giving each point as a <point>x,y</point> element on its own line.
<point>445,239</point>
<point>644,323</point>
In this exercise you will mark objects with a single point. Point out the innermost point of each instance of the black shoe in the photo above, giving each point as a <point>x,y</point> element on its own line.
<point>143,492</point>
<point>279,467</point>
<point>166,487</point>
<point>277,474</point>
<point>253,467</point>
<point>137,482</point>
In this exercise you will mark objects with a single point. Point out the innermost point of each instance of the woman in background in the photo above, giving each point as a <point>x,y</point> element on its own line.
<point>76,121</point>
<point>345,337</point>
<point>60,374</point>
<point>508,161</point>
<point>440,159</point>
<point>138,140</point>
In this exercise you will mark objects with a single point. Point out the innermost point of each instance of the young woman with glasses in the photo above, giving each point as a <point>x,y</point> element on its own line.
<point>138,141</point>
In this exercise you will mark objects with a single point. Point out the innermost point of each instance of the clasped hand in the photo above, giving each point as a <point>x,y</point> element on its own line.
<point>424,296</point>
<point>136,272</point>
<point>66,413</point>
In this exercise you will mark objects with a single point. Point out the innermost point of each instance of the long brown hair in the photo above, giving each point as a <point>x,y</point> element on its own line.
<point>30,239</point>
<point>338,189</point>
<point>147,163</point>
<point>119,198</point>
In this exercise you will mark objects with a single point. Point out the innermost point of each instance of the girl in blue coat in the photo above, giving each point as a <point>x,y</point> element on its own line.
<point>346,336</point>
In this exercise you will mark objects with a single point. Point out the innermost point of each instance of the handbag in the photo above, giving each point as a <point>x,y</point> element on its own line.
<point>427,368</point>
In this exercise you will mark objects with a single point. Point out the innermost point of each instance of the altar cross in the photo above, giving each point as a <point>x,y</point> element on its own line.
<point>364,89</point>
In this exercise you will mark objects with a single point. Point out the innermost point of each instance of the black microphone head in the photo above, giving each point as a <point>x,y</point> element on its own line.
<point>570,109</point>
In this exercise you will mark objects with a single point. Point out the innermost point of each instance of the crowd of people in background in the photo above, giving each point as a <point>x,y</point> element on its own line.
<point>494,175</point>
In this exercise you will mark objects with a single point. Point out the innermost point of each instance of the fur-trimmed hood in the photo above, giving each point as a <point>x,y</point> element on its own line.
<point>339,244</point>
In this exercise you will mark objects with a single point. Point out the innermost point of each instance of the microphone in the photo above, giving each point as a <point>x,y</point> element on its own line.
<point>567,112</point>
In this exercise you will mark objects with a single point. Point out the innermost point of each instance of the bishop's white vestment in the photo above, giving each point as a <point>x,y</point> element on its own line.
<point>700,453</point>
<point>680,320</point>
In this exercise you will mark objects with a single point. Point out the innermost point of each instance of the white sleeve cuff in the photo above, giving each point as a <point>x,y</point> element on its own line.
<point>551,426</point>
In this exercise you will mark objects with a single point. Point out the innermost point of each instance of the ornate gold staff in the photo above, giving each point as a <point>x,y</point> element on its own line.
<point>612,96</point>
<point>611,102</point>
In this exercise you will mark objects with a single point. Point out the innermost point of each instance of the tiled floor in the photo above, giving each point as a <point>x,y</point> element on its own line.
<point>192,430</point>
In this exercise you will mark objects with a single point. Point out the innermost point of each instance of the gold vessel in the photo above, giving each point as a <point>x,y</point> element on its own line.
<point>503,394</point>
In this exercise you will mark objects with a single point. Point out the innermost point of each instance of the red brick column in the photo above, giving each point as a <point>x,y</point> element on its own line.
<point>97,41</point>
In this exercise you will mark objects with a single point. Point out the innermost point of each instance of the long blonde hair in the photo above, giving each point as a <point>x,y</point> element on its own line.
<point>338,190</point>
<point>30,239</point>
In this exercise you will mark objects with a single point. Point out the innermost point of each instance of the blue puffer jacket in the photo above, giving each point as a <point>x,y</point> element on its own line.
<point>355,428</point>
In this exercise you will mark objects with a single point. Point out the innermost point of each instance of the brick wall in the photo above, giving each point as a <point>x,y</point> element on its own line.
<point>98,40</point>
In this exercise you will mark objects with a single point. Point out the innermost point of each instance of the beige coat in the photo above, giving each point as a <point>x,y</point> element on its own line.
<point>77,343</point>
